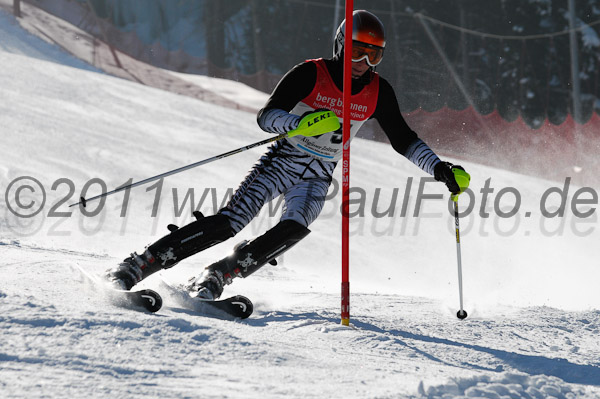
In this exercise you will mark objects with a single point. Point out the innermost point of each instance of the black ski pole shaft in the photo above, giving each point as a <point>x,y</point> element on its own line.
<point>461,314</point>
<point>84,201</point>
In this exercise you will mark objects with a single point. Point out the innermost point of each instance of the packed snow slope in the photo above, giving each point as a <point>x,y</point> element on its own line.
<point>530,280</point>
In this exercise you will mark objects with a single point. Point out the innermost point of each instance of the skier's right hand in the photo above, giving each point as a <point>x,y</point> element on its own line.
<point>314,123</point>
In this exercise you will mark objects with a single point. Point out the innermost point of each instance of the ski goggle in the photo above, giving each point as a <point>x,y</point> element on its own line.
<point>361,51</point>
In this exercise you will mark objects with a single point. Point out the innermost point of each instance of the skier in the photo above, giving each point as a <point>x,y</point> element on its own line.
<point>300,168</point>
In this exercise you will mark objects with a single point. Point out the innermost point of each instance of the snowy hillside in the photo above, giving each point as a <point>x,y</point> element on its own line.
<point>530,281</point>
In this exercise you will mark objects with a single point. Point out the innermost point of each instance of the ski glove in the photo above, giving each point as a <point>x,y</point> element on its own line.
<point>314,123</point>
<point>454,176</point>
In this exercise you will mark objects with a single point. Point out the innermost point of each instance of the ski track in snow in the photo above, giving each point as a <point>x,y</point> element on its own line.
<point>61,338</point>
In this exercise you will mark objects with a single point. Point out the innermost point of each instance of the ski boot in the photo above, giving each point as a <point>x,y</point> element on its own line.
<point>129,272</point>
<point>207,286</point>
<point>171,249</point>
<point>247,257</point>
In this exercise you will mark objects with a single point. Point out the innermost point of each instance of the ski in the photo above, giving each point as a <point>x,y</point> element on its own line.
<point>237,306</point>
<point>147,299</point>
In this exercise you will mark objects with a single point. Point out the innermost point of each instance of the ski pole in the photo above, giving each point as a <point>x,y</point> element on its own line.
<point>462,179</point>
<point>312,125</point>
<point>84,201</point>
<point>461,314</point>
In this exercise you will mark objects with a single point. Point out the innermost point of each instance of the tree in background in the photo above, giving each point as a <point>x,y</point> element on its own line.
<point>509,55</point>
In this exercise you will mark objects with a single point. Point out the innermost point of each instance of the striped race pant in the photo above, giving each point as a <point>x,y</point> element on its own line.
<point>282,170</point>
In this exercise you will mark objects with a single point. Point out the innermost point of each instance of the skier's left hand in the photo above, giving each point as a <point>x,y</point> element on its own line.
<point>454,176</point>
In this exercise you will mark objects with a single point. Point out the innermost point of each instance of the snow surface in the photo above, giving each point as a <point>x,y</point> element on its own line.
<point>229,89</point>
<point>530,282</point>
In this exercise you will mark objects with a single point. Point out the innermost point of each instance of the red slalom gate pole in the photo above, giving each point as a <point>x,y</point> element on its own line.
<point>347,92</point>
